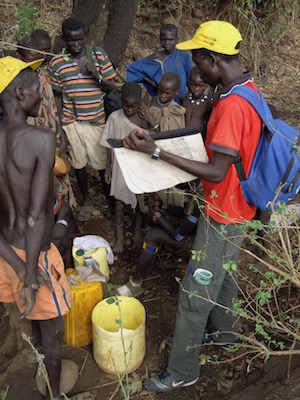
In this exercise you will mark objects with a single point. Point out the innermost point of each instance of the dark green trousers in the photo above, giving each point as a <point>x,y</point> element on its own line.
<point>193,312</point>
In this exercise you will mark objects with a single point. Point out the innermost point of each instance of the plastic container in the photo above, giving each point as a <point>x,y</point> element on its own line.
<point>99,255</point>
<point>119,350</point>
<point>203,276</point>
<point>78,321</point>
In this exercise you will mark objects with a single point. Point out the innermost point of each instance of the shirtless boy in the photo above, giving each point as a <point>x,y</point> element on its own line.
<point>198,105</point>
<point>27,258</point>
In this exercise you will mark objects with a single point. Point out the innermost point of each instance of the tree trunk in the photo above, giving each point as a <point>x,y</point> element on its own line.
<point>122,14</point>
<point>107,23</point>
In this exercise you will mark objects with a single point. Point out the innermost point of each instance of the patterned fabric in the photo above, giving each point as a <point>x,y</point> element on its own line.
<point>81,94</point>
<point>48,113</point>
<point>48,116</point>
<point>53,300</point>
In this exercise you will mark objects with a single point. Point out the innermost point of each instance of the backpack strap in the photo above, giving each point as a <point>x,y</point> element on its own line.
<point>256,100</point>
<point>261,107</point>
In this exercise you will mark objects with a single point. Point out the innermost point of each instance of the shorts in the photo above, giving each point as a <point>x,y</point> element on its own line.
<point>49,303</point>
<point>85,147</point>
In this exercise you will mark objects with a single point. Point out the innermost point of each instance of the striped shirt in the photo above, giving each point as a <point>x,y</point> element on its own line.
<point>81,95</point>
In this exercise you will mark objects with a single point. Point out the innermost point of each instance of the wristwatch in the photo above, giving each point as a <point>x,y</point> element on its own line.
<point>155,155</point>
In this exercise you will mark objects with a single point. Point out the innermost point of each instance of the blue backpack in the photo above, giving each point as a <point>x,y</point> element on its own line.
<point>275,172</point>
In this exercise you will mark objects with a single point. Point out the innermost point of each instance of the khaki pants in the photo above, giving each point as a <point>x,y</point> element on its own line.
<point>85,147</point>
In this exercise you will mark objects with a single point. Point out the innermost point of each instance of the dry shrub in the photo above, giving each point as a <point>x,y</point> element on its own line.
<point>48,15</point>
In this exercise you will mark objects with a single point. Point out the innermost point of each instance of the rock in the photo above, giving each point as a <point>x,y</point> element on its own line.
<point>68,378</point>
<point>185,22</point>
<point>288,73</point>
<point>196,22</point>
<point>168,20</point>
<point>197,13</point>
<point>280,72</point>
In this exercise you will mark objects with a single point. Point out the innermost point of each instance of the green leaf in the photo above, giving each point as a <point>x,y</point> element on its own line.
<point>111,300</point>
<point>192,294</point>
<point>213,194</point>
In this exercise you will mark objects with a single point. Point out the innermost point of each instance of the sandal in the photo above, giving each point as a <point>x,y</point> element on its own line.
<point>130,289</point>
<point>85,213</point>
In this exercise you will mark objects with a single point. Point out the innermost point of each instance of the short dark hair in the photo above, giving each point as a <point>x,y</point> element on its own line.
<point>25,79</point>
<point>131,90</point>
<point>194,73</point>
<point>28,42</point>
<point>173,78</point>
<point>225,57</point>
<point>40,34</point>
<point>169,28</point>
<point>71,24</point>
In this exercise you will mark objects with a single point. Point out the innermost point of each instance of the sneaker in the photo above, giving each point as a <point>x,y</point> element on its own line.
<point>165,382</point>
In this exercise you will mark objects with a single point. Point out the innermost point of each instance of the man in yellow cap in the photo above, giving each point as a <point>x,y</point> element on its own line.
<point>233,128</point>
<point>31,269</point>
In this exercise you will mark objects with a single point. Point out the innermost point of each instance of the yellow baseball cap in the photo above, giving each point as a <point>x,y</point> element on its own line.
<point>10,67</point>
<point>218,36</point>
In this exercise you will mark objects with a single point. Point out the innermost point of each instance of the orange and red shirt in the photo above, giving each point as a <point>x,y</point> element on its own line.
<point>233,128</point>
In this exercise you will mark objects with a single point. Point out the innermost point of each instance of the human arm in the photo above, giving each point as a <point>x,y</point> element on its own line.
<point>40,211</point>
<point>213,171</point>
<point>63,142</point>
<point>59,102</point>
<point>108,169</point>
<point>153,200</point>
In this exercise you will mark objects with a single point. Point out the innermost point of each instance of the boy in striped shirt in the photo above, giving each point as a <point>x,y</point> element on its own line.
<point>78,77</point>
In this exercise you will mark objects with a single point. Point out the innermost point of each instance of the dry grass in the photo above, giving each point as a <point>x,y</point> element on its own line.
<point>49,16</point>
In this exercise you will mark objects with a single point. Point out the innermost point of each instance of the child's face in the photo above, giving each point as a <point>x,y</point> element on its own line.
<point>168,41</point>
<point>75,42</point>
<point>166,92</point>
<point>30,55</point>
<point>130,106</point>
<point>196,86</point>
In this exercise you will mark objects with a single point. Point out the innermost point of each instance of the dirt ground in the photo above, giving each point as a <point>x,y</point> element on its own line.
<point>160,301</point>
<point>229,381</point>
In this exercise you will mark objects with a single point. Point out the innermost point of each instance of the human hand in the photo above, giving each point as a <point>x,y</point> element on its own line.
<point>138,140</point>
<point>107,175</point>
<point>155,199</point>
<point>29,291</point>
<point>146,114</point>
<point>27,297</point>
<point>43,279</point>
<point>156,216</point>
<point>62,150</point>
<point>91,68</point>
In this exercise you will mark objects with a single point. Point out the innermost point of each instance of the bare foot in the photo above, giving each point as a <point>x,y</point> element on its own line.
<point>119,246</point>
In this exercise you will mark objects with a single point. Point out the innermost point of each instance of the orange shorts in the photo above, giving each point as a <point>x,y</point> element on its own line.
<point>49,303</point>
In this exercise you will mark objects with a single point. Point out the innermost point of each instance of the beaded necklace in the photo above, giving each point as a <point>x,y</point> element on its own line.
<point>197,102</point>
